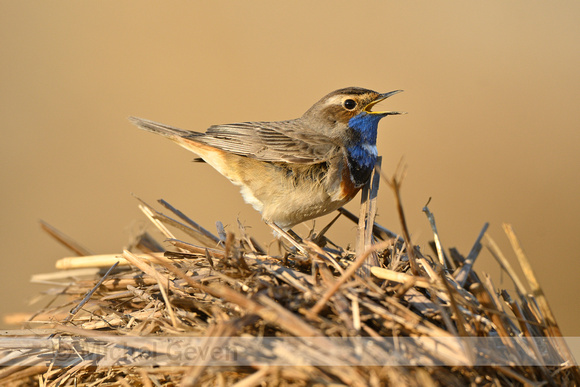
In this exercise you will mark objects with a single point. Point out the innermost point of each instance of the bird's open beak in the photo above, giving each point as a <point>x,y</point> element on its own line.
<point>380,98</point>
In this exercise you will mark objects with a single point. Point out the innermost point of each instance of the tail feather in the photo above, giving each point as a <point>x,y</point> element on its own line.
<point>164,130</point>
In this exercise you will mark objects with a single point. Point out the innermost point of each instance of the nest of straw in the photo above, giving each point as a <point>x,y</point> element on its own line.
<point>222,287</point>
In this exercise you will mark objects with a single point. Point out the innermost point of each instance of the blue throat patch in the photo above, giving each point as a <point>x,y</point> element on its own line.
<point>361,160</point>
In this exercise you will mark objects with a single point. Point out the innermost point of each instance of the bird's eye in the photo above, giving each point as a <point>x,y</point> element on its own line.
<point>349,104</point>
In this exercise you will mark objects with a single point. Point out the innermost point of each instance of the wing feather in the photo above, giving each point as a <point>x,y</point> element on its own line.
<point>287,141</point>
<point>282,141</point>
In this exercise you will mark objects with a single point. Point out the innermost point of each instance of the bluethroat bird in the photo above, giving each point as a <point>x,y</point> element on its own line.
<point>295,170</point>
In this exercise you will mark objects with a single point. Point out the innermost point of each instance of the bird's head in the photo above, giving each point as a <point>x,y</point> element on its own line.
<point>347,112</point>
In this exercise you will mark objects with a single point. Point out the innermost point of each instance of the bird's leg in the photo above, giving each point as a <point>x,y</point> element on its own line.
<point>294,235</point>
<point>320,239</point>
<point>286,235</point>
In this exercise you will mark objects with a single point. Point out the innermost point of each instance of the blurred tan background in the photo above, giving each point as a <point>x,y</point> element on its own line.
<point>492,135</point>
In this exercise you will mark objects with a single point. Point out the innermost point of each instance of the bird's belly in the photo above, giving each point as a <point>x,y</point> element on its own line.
<point>289,194</point>
<point>284,193</point>
<point>290,208</point>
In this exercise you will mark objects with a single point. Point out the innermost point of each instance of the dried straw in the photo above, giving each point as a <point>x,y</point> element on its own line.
<point>226,287</point>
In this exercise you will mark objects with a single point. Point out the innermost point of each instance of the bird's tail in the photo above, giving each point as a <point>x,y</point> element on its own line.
<point>164,130</point>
